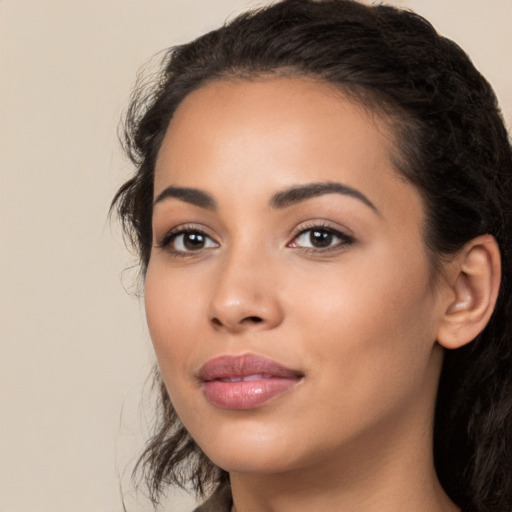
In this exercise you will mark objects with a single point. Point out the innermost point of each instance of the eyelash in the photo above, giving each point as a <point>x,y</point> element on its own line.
<point>171,236</point>
<point>344,239</point>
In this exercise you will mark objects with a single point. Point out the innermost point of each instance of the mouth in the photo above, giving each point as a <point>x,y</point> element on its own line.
<point>245,382</point>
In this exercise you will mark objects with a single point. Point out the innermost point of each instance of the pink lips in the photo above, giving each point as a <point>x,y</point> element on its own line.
<point>245,382</point>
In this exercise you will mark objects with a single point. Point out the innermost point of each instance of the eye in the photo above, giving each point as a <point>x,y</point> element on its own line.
<point>187,241</point>
<point>320,237</point>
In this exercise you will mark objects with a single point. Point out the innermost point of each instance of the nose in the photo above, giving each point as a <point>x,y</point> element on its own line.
<point>245,296</point>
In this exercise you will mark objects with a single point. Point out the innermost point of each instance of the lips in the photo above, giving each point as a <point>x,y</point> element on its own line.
<point>245,382</point>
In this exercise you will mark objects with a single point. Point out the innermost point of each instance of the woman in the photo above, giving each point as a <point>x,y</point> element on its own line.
<point>322,205</point>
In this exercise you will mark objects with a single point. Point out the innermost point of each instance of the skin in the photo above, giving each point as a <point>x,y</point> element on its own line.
<point>358,319</point>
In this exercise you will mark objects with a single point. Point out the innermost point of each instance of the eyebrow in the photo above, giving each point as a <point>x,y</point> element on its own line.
<point>283,199</point>
<point>301,193</point>
<point>188,195</point>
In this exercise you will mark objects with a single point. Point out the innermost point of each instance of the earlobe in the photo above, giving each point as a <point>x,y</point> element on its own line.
<point>475,280</point>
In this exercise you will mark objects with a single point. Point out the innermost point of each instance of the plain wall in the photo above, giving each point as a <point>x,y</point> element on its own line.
<point>74,351</point>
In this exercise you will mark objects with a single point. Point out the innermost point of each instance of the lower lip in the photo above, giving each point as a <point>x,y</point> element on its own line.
<point>246,394</point>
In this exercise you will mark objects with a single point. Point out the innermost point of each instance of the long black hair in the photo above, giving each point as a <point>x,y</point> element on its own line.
<point>451,144</point>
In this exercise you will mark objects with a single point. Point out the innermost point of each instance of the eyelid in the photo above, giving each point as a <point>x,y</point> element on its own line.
<point>322,224</point>
<point>171,234</point>
<point>344,234</point>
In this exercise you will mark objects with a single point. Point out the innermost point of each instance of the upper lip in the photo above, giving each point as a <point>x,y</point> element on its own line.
<point>225,367</point>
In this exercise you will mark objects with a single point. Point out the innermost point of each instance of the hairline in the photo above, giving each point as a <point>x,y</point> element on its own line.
<point>372,103</point>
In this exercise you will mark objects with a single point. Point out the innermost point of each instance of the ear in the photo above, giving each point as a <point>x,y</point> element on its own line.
<point>474,280</point>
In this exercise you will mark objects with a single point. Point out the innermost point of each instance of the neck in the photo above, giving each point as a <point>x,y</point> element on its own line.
<point>391,471</point>
<point>280,495</point>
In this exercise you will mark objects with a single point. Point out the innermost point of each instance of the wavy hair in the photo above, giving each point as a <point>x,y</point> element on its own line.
<point>451,143</point>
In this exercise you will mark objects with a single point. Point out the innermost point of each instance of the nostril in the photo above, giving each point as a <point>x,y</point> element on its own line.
<point>253,319</point>
<point>236,323</point>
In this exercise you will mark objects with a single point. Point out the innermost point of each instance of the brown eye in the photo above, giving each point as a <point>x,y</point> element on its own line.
<point>190,241</point>
<point>193,241</point>
<point>321,238</point>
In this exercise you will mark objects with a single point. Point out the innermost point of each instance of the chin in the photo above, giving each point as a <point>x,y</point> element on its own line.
<point>253,459</point>
<point>248,447</point>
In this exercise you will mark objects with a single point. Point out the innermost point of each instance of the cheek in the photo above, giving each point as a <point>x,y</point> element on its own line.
<point>171,309</point>
<point>371,330</point>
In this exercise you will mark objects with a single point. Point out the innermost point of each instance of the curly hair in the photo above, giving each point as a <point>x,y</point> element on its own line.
<point>451,144</point>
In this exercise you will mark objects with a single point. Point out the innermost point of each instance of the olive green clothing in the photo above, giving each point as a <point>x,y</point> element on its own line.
<point>220,501</point>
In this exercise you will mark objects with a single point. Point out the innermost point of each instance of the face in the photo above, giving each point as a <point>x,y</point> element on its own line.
<point>288,293</point>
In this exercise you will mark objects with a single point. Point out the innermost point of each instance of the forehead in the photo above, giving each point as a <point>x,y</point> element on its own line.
<point>278,111</point>
<point>272,133</point>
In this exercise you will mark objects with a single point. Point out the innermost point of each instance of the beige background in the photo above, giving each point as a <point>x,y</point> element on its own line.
<point>74,351</point>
